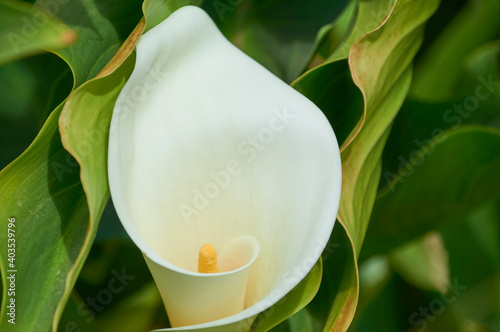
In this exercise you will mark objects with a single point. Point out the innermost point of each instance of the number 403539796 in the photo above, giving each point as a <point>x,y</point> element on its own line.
<point>11,234</point>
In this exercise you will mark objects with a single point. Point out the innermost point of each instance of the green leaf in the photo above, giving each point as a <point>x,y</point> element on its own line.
<point>392,46</point>
<point>426,195</point>
<point>42,191</point>
<point>26,30</point>
<point>380,66</point>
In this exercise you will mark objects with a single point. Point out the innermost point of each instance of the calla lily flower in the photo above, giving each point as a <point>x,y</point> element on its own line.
<point>207,146</point>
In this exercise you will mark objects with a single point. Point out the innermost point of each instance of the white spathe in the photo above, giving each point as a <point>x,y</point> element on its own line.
<point>207,146</point>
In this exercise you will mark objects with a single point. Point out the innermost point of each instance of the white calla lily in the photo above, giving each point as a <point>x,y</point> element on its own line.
<point>207,146</point>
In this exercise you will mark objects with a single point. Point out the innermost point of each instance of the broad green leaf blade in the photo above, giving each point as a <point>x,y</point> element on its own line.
<point>85,134</point>
<point>42,191</point>
<point>26,30</point>
<point>380,67</point>
<point>93,145</point>
<point>429,196</point>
